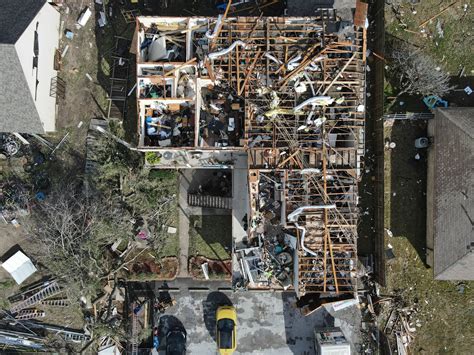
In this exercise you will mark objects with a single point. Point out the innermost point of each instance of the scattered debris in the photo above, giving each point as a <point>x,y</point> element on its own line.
<point>83,18</point>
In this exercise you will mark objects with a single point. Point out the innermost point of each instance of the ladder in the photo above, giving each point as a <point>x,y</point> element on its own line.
<point>31,313</point>
<point>76,337</point>
<point>49,291</point>
<point>134,332</point>
<point>59,302</point>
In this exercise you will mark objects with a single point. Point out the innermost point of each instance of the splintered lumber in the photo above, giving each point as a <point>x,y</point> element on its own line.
<point>326,90</point>
<point>250,70</point>
<point>306,61</point>
<point>438,14</point>
<point>172,71</point>
<point>210,71</point>
<point>219,29</point>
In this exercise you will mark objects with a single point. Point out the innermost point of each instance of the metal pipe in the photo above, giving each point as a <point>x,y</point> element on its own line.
<point>210,34</point>
<point>315,101</point>
<point>293,217</point>
<point>226,50</point>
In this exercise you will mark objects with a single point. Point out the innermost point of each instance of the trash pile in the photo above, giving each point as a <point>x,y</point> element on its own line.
<point>14,201</point>
<point>268,258</point>
<point>36,306</point>
<point>35,302</point>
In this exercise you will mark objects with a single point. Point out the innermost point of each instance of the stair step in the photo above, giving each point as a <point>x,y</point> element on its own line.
<point>208,201</point>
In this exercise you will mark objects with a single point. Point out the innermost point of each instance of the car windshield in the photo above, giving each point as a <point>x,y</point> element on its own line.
<point>226,330</point>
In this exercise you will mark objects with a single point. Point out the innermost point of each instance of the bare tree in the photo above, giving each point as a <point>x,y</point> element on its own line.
<point>71,231</point>
<point>417,73</point>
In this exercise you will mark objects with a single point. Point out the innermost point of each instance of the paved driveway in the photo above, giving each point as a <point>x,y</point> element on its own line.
<point>268,323</point>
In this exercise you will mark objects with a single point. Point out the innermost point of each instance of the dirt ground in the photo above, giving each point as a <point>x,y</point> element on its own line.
<point>85,69</point>
<point>218,269</point>
<point>148,268</point>
<point>88,53</point>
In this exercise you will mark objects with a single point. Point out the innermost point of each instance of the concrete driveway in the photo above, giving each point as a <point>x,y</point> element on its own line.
<point>268,323</point>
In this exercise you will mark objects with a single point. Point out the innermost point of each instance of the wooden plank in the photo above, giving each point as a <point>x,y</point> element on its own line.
<point>360,15</point>
<point>188,63</point>
<point>213,40</point>
<point>250,70</point>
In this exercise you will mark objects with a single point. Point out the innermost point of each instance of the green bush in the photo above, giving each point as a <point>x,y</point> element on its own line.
<point>152,158</point>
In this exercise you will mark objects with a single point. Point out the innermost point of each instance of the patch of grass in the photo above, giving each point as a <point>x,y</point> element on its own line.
<point>453,50</point>
<point>210,235</point>
<point>446,316</point>
<point>170,246</point>
<point>152,158</point>
<point>7,284</point>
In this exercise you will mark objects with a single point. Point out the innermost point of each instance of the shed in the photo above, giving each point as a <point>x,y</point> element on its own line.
<point>19,266</point>
<point>450,194</point>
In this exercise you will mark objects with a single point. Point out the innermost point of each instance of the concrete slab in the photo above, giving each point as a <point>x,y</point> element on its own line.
<point>268,323</point>
<point>239,204</point>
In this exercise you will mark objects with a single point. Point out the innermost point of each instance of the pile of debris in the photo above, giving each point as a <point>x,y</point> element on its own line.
<point>32,303</point>
<point>109,307</point>
<point>288,91</point>
<point>266,261</point>
<point>14,201</point>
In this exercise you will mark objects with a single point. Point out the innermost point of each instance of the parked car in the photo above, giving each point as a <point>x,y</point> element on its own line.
<point>226,324</point>
<point>176,342</point>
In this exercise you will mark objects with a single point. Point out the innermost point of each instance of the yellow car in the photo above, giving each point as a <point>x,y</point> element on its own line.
<point>226,329</point>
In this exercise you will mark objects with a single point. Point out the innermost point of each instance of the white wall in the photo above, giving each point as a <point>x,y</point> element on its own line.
<point>48,37</point>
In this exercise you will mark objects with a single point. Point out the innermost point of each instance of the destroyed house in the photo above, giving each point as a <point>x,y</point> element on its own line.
<point>287,92</point>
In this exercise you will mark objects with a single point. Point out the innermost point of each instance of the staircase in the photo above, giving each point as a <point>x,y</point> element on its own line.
<point>49,291</point>
<point>207,201</point>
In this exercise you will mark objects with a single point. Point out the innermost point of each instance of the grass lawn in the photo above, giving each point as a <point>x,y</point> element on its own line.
<point>167,184</point>
<point>453,50</point>
<point>210,235</point>
<point>171,246</point>
<point>446,315</point>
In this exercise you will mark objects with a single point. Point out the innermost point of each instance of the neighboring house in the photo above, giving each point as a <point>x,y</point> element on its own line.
<point>450,194</point>
<point>29,37</point>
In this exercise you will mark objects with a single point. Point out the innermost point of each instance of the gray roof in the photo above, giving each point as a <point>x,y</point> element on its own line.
<point>15,16</point>
<point>18,111</point>
<point>451,199</point>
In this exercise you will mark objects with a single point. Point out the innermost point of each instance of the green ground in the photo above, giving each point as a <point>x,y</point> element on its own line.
<point>210,235</point>
<point>454,50</point>
<point>446,316</point>
<point>171,246</point>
